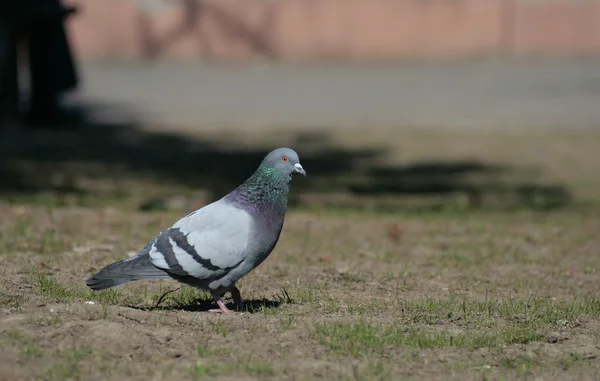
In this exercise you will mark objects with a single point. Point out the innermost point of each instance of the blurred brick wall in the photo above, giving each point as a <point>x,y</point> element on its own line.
<point>332,29</point>
<point>559,27</point>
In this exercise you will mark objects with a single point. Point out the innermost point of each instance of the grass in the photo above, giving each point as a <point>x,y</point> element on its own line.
<point>469,324</point>
<point>28,346</point>
<point>68,366</point>
<point>358,339</point>
<point>54,291</point>
<point>223,361</point>
<point>379,313</point>
<point>520,363</point>
<point>532,309</point>
<point>253,368</point>
<point>429,289</point>
<point>65,364</point>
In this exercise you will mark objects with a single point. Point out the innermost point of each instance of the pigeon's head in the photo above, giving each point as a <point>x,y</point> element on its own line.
<point>284,159</point>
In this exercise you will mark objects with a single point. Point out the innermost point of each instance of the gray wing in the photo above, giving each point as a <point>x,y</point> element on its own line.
<point>205,244</point>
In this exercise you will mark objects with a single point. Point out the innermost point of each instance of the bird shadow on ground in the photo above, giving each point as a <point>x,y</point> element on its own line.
<point>250,306</point>
<point>204,304</point>
<point>94,157</point>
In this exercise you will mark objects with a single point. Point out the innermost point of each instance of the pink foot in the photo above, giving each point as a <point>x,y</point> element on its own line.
<point>222,307</point>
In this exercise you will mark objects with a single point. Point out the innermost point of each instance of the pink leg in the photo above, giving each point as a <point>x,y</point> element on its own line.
<point>237,297</point>
<point>222,307</point>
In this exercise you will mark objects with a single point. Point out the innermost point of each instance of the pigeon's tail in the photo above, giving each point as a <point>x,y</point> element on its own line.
<point>138,267</point>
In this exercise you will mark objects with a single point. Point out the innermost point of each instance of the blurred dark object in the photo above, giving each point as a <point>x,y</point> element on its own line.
<point>8,64</point>
<point>37,26</point>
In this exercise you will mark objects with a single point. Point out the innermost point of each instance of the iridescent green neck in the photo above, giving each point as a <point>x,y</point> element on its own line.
<point>264,194</point>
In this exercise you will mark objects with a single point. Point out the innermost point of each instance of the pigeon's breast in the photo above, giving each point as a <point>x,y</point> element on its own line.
<point>260,243</point>
<point>263,237</point>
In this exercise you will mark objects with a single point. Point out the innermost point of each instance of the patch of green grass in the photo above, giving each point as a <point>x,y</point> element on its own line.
<point>12,237</point>
<point>525,364</point>
<point>180,298</point>
<point>26,235</point>
<point>301,295</point>
<point>519,363</point>
<point>359,338</point>
<point>366,308</point>
<point>256,368</point>
<point>9,300</point>
<point>26,344</point>
<point>574,360</point>
<point>53,320</point>
<point>463,323</point>
<point>57,292</point>
<point>206,350</point>
<point>67,365</point>
<point>372,371</point>
<point>352,277</point>
<point>287,322</point>
<point>63,365</point>
<point>220,327</point>
<point>464,311</point>
<point>250,367</point>
<point>201,369</point>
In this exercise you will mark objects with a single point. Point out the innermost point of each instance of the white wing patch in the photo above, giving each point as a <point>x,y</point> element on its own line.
<point>158,259</point>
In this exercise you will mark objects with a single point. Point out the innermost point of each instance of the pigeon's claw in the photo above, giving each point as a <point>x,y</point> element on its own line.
<point>222,307</point>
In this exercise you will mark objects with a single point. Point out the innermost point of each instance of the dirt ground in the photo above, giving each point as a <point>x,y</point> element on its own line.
<point>451,289</point>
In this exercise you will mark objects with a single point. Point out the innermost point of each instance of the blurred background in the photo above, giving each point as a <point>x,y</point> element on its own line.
<point>392,105</point>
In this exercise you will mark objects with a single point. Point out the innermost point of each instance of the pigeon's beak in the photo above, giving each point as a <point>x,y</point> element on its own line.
<point>299,169</point>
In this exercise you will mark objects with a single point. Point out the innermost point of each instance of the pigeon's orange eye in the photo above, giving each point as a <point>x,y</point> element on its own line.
<point>284,159</point>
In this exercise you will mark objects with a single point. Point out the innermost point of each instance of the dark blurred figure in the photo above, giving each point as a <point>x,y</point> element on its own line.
<point>51,66</point>
<point>38,27</point>
<point>8,63</point>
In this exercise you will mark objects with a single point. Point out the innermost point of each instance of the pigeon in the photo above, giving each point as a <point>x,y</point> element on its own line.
<point>215,246</point>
